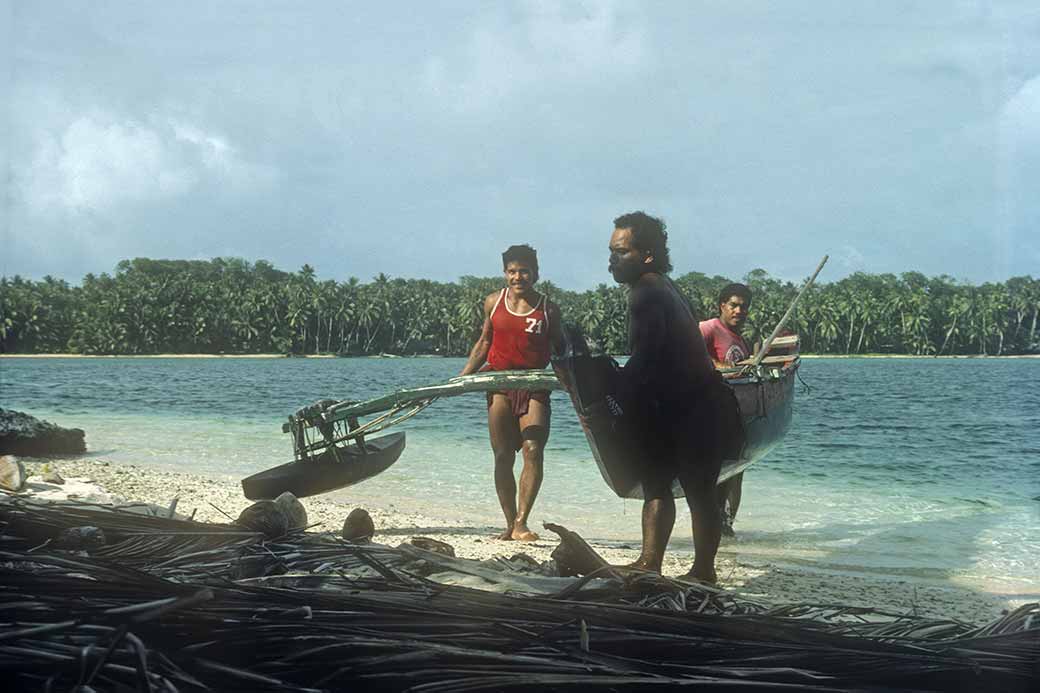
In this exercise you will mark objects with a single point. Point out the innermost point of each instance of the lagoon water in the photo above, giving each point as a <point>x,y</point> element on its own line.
<point>923,469</point>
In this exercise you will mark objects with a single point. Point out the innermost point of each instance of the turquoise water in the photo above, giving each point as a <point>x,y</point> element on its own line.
<point>927,469</point>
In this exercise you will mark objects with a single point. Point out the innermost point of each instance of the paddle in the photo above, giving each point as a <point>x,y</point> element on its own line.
<point>790,309</point>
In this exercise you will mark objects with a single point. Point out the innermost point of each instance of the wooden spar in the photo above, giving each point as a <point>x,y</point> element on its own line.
<point>488,381</point>
<point>790,309</point>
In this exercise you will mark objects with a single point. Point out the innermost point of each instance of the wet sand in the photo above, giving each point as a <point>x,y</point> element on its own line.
<point>219,499</point>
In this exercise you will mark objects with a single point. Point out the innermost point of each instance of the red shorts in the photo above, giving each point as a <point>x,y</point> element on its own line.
<point>519,400</point>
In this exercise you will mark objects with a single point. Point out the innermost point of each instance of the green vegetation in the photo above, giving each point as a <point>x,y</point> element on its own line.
<point>234,307</point>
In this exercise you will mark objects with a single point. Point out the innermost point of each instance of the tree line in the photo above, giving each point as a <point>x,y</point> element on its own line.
<point>232,306</point>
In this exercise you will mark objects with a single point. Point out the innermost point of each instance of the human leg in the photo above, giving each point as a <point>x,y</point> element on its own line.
<point>657,522</point>
<point>736,486</point>
<point>707,524</point>
<point>534,427</point>
<point>504,431</point>
<point>722,492</point>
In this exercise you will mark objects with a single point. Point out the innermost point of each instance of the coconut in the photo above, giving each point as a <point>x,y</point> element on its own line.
<point>294,511</point>
<point>358,526</point>
<point>266,517</point>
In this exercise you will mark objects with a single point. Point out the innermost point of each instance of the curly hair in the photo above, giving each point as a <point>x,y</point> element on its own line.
<point>741,290</point>
<point>521,253</point>
<point>649,234</point>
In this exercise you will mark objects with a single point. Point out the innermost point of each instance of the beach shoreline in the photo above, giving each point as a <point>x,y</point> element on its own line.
<point>216,498</point>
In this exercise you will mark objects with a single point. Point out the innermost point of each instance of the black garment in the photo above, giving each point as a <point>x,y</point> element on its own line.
<point>685,436</point>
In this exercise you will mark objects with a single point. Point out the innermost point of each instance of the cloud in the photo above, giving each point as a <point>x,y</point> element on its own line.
<point>535,45</point>
<point>1020,118</point>
<point>100,161</point>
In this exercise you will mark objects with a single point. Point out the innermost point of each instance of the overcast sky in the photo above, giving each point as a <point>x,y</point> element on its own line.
<point>420,139</point>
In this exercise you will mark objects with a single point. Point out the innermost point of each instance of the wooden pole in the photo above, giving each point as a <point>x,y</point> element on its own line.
<point>790,309</point>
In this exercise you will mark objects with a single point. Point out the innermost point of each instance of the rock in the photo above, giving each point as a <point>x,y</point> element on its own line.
<point>266,517</point>
<point>434,545</point>
<point>295,513</point>
<point>358,525</point>
<point>84,538</point>
<point>22,434</point>
<point>12,473</point>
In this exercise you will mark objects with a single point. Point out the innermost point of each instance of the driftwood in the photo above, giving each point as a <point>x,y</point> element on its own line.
<point>574,556</point>
<point>159,607</point>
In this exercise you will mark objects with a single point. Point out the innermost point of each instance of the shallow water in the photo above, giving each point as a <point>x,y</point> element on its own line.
<point>920,468</point>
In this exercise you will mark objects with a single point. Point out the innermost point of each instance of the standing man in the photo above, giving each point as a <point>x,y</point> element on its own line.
<point>521,327</point>
<point>684,419</point>
<point>726,346</point>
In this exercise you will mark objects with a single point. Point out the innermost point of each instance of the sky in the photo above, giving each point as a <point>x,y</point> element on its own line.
<point>420,139</point>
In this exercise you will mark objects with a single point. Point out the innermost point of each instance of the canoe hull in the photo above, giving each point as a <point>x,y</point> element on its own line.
<point>325,473</point>
<point>766,408</point>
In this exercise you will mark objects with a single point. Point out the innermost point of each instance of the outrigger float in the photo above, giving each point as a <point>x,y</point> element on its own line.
<point>332,448</point>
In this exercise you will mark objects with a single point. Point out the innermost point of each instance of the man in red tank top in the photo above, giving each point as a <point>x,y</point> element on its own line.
<point>521,328</point>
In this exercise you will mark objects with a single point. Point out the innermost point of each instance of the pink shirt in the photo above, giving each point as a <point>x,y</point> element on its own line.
<point>723,343</point>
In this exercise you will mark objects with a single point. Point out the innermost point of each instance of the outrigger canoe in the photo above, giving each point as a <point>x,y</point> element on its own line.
<point>333,452</point>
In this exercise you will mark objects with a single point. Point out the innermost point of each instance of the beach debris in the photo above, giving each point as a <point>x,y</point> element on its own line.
<point>159,608</point>
<point>12,473</point>
<point>266,517</point>
<point>358,526</point>
<point>574,556</point>
<point>23,434</point>
<point>50,475</point>
<point>433,545</point>
<point>85,538</point>
<point>295,513</point>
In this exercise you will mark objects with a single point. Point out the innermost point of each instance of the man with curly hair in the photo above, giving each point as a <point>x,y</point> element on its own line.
<point>683,418</point>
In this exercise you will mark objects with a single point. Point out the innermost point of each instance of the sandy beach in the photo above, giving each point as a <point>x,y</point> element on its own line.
<point>219,499</point>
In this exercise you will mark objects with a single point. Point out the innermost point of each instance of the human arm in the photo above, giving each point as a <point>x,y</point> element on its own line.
<point>479,353</point>
<point>557,342</point>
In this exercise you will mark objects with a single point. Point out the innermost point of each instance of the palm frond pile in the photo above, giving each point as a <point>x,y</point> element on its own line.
<point>170,605</point>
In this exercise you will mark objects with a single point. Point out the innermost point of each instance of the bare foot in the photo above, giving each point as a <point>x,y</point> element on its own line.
<point>644,564</point>
<point>506,534</point>
<point>522,533</point>
<point>698,576</point>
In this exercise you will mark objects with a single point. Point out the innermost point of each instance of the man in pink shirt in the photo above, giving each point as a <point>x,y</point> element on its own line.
<point>727,347</point>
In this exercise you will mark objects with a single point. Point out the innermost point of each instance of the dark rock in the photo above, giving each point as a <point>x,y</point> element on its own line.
<point>358,525</point>
<point>12,473</point>
<point>295,513</point>
<point>22,434</point>
<point>84,538</point>
<point>433,545</point>
<point>266,517</point>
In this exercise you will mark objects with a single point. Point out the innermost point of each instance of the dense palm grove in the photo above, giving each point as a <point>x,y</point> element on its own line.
<point>232,306</point>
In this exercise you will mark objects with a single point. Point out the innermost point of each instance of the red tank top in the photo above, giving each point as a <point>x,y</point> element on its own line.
<point>519,340</point>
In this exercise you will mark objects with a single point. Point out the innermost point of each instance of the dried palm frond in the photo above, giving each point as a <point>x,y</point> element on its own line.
<point>186,606</point>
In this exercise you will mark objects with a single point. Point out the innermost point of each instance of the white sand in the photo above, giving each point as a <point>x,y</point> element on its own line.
<point>207,496</point>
